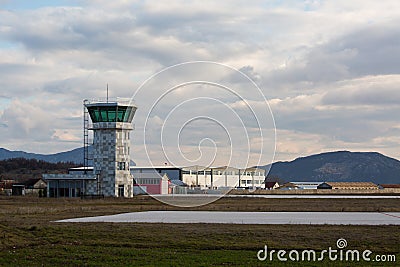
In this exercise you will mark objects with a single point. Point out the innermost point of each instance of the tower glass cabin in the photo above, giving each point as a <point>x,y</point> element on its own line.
<point>112,126</point>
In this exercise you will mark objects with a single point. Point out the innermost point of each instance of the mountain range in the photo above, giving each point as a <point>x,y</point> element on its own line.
<point>75,155</point>
<point>339,166</point>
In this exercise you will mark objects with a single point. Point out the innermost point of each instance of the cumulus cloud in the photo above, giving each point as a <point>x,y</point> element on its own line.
<point>378,91</point>
<point>24,119</point>
<point>328,68</point>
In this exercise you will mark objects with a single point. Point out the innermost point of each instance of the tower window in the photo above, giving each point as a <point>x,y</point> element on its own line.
<point>121,166</point>
<point>111,113</point>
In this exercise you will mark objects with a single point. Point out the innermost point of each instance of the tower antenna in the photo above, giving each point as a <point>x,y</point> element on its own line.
<point>107,92</point>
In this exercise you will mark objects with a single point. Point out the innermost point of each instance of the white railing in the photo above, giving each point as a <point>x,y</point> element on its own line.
<point>69,176</point>
<point>119,100</point>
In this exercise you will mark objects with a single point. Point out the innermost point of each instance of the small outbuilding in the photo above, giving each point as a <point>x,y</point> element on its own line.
<point>151,183</point>
<point>307,185</point>
<point>177,187</point>
<point>324,185</point>
<point>348,185</point>
<point>289,186</point>
<point>35,185</point>
<point>18,190</point>
<point>271,185</point>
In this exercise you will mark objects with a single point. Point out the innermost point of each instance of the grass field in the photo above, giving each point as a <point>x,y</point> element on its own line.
<point>29,238</point>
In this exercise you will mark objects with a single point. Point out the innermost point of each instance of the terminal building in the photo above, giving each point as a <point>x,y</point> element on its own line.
<point>111,175</point>
<point>223,177</point>
<point>157,180</point>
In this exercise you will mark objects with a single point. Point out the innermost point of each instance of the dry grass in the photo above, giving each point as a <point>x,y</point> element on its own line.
<point>29,238</point>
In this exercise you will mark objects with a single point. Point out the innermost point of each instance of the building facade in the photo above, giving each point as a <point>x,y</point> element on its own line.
<point>220,177</point>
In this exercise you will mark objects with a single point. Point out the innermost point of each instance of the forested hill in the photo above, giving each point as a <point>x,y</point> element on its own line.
<point>21,169</point>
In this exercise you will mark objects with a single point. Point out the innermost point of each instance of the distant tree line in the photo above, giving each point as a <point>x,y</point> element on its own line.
<point>21,169</point>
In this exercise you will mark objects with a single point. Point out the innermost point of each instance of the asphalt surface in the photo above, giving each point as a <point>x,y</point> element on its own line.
<point>330,218</point>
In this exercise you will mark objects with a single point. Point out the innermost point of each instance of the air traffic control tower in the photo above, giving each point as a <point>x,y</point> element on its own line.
<point>111,126</point>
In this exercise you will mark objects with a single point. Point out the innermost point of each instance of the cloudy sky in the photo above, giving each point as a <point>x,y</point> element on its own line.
<point>330,70</point>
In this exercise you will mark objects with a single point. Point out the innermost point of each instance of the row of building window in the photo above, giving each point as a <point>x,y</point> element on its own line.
<point>249,182</point>
<point>146,181</point>
<point>64,188</point>
<point>222,173</point>
<point>111,113</point>
<point>157,181</point>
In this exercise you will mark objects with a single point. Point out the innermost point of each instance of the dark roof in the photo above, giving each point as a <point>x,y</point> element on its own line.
<point>178,183</point>
<point>390,185</point>
<point>269,184</point>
